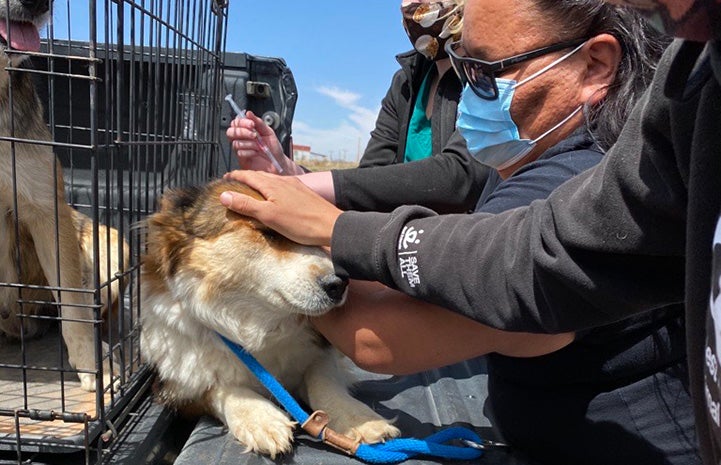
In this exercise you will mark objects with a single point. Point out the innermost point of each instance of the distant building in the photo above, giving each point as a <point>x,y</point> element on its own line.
<point>303,153</point>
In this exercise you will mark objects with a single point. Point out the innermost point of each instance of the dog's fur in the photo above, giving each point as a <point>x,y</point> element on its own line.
<point>40,193</point>
<point>37,300</point>
<point>210,270</point>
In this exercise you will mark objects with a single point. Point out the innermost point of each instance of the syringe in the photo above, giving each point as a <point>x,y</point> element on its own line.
<point>258,140</point>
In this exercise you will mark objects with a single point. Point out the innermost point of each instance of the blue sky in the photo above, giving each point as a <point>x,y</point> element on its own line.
<point>342,55</point>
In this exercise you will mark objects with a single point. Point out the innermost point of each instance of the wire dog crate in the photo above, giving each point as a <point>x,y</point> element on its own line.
<point>132,94</point>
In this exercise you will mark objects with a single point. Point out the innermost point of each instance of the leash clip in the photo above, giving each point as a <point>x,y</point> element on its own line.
<point>484,444</point>
<point>317,426</point>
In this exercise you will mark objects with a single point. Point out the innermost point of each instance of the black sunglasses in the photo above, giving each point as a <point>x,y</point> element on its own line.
<point>480,75</point>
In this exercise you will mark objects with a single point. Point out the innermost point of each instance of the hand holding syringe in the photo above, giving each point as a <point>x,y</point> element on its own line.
<point>261,145</point>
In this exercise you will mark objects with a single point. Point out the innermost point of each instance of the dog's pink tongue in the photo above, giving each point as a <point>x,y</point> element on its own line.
<point>20,36</point>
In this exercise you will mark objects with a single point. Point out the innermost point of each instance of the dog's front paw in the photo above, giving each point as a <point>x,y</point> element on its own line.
<point>358,421</point>
<point>268,432</point>
<point>87,380</point>
<point>373,431</point>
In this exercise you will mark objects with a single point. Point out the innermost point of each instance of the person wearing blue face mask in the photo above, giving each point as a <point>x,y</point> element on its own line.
<point>496,94</point>
<point>485,120</point>
<point>631,372</point>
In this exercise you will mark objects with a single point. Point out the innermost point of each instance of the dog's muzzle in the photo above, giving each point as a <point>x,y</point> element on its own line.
<point>334,287</point>
<point>19,23</point>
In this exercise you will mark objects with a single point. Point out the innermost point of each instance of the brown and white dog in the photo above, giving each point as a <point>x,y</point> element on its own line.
<point>208,271</point>
<point>54,249</point>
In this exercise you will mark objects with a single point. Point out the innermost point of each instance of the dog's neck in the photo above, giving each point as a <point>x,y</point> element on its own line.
<point>257,330</point>
<point>244,322</point>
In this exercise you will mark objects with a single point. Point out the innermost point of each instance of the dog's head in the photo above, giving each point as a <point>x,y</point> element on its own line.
<point>20,21</point>
<point>195,245</point>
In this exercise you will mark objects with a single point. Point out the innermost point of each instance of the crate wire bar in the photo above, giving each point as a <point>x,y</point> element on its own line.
<point>131,91</point>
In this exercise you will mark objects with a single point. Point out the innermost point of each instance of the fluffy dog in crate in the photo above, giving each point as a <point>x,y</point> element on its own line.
<point>55,241</point>
<point>209,271</point>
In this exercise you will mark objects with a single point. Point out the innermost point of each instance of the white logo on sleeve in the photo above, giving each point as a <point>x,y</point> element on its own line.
<point>712,355</point>
<point>407,259</point>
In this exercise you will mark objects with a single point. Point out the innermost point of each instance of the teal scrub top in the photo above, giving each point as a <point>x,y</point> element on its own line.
<point>419,143</point>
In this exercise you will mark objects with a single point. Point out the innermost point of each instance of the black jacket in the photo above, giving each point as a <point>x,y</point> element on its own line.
<point>630,235</point>
<point>449,181</point>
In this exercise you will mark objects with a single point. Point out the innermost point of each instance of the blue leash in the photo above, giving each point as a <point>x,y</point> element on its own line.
<point>391,451</point>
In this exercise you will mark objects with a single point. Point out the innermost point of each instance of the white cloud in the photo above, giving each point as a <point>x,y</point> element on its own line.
<point>348,138</point>
<point>344,98</point>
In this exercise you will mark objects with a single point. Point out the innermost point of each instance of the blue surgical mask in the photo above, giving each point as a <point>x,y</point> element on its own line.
<point>491,134</point>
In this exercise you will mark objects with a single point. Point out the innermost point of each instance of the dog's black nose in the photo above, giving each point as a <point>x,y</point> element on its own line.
<point>334,286</point>
<point>36,6</point>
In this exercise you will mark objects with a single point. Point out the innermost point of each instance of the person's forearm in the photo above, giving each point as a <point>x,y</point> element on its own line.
<point>384,331</point>
<point>448,182</point>
<point>321,183</point>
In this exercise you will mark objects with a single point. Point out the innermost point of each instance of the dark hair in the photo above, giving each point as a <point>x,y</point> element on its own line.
<point>641,47</point>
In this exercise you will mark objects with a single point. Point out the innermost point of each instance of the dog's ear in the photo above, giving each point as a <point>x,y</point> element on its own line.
<point>167,242</point>
<point>168,237</point>
<point>179,200</point>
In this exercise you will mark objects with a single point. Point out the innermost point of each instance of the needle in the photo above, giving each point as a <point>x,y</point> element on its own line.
<point>258,140</point>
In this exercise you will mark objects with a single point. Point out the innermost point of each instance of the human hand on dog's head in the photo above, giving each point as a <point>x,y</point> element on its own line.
<point>290,207</point>
<point>243,133</point>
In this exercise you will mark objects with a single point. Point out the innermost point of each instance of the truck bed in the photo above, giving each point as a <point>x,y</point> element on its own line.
<point>422,405</point>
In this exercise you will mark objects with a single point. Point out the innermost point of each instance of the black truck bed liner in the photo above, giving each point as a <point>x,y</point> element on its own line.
<point>422,404</point>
